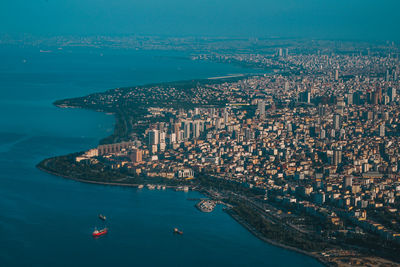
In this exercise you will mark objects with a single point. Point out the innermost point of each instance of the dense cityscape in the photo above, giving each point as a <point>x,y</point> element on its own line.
<point>312,146</point>
<point>201,133</point>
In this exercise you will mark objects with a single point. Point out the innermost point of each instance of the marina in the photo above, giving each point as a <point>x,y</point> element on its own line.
<point>206,205</point>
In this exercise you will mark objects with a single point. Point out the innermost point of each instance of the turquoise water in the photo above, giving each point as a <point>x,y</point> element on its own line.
<point>47,220</point>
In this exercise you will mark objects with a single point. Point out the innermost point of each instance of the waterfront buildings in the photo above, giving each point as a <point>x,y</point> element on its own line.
<point>310,140</point>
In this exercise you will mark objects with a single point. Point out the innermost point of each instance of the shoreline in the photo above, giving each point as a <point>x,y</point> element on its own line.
<point>258,235</point>
<point>333,260</point>
<point>96,182</point>
<point>241,219</point>
<point>235,217</point>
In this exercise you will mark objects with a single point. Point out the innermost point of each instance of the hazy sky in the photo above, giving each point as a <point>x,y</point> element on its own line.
<point>349,19</point>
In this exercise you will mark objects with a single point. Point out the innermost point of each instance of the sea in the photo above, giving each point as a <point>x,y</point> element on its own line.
<point>46,220</point>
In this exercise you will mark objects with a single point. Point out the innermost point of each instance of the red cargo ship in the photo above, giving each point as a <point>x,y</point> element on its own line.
<point>97,233</point>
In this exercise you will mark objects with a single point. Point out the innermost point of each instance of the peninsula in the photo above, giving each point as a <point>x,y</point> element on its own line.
<point>305,158</point>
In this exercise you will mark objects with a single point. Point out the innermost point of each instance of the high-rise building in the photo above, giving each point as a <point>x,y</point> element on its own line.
<point>347,182</point>
<point>172,138</point>
<point>350,99</point>
<point>336,74</point>
<point>340,102</point>
<point>322,134</point>
<point>333,133</point>
<point>177,127</point>
<point>369,115</point>
<point>357,98</point>
<point>186,129</point>
<point>321,110</point>
<point>181,136</point>
<point>305,97</point>
<point>196,129</point>
<point>336,121</point>
<point>154,149</point>
<point>308,97</point>
<point>392,93</point>
<point>342,134</point>
<point>248,134</point>
<point>280,52</point>
<point>379,91</point>
<point>337,157</point>
<point>162,136</point>
<point>376,96</point>
<point>153,137</point>
<point>386,116</point>
<point>382,130</point>
<point>226,116</point>
<point>136,155</point>
<point>219,123</point>
<point>386,99</point>
<point>212,112</point>
<point>261,108</point>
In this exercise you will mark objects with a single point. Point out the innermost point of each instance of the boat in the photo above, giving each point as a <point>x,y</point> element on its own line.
<point>102,217</point>
<point>140,186</point>
<point>97,233</point>
<point>151,186</point>
<point>176,231</point>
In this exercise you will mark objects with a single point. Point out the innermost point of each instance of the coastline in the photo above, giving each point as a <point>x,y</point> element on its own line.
<point>91,181</point>
<point>328,260</point>
<point>255,233</point>
<point>234,216</point>
<point>237,218</point>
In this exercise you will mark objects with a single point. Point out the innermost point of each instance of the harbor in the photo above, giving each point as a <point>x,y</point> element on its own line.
<point>206,205</point>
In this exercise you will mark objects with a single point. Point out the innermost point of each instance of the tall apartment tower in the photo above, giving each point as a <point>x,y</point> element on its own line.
<point>162,136</point>
<point>336,74</point>
<point>392,94</point>
<point>261,108</point>
<point>337,157</point>
<point>347,182</point>
<point>382,130</point>
<point>336,121</point>
<point>153,137</point>
<point>350,99</point>
<point>186,129</point>
<point>226,116</point>
<point>136,155</point>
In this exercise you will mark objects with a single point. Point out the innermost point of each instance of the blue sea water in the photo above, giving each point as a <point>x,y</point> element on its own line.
<point>47,220</point>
